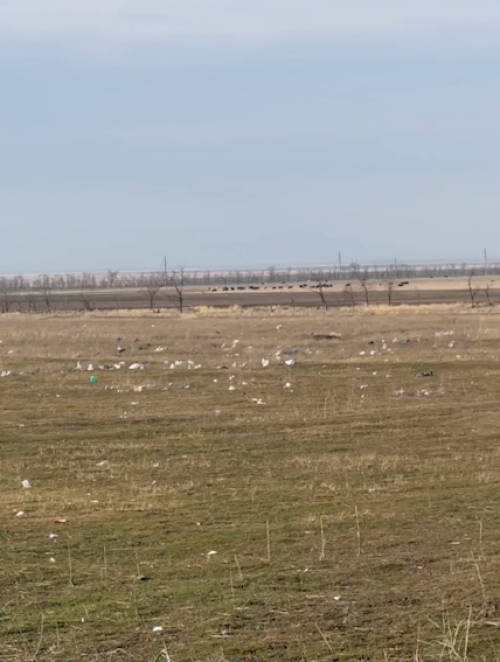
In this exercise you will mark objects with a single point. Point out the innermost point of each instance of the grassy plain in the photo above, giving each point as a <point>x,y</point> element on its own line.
<point>353,515</point>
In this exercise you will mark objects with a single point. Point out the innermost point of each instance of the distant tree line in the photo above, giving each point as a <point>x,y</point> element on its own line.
<point>166,288</point>
<point>272,275</point>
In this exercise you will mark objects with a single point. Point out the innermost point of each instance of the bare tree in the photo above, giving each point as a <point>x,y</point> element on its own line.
<point>154,283</point>
<point>390,292</point>
<point>112,277</point>
<point>472,290</point>
<point>31,303</point>
<point>46,287</point>
<point>487,295</point>
<point>319,287</point>
<point>5,295</point>
<point>87,303</point>
<point>6,301</point>
<point>362,281</point>
<point>177,281</point>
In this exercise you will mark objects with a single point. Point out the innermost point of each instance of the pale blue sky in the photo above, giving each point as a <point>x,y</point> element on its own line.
<point>223,133</point>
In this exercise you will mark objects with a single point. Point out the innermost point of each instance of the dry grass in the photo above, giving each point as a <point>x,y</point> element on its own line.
<point>350,523</point>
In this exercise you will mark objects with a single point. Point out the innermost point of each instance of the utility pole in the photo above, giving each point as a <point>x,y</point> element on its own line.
<point>165,270</point>
<point>485,262</point>
<point>340,265</point>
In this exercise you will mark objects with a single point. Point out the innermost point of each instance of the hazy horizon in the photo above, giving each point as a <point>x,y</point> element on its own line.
<point>218,135</point>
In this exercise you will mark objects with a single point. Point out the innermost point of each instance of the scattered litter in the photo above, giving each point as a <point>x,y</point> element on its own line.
<point>265,363</point>
<point>288,385</point>
<point>290,362</point>
<point>373,352</point>
<point>121,350</point>
<point>160,349</point>
<point>93,379</point>
<point>259,401</point>
<point>363,386</point>
<point>137,366</point>
<point>78,366</point>
<point>26,484</point>
<point>20,513</point>
<point>157,629</point>
<point>397,392</point>
<point>61,520</point>
<point>426,373</point>
<point>53,536</point>
<point>363,353</point>
<point>217,412</point>
<point>279,327</point>
<point>211,554</point>
<point>5,373</point>
<point>439,334</point>
<point>52,560</point>
<point>423,393</point>
<point>102,463</point>
<point>90,367</point>
<point>232,388</point>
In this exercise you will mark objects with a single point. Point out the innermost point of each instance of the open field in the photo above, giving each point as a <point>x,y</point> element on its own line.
<point>342,508</point>
<point>420,291</point>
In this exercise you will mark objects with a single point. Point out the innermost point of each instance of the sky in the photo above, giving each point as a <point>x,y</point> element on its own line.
<point>224,134</point>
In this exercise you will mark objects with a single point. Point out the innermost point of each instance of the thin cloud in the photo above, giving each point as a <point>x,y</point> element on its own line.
<point>235,19</point>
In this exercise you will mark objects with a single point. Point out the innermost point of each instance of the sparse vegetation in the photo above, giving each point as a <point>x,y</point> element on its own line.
<point>353,516</point>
